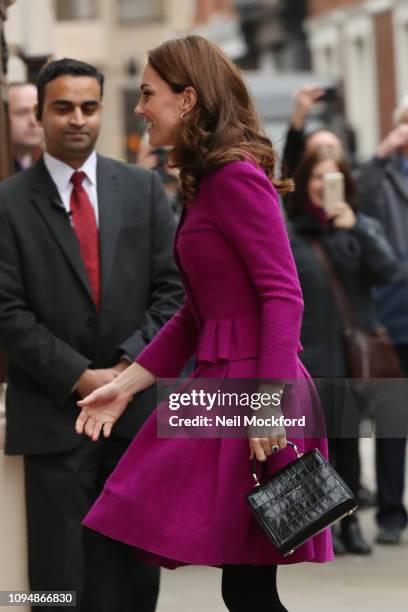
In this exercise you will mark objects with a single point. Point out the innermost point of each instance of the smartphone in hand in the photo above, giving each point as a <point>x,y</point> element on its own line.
<point>333,190</point>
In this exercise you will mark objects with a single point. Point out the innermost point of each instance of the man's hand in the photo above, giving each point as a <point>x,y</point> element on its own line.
<point>395,140</point>
<point>93,379</point>
<point>121,366</point>
<point>305,98</point>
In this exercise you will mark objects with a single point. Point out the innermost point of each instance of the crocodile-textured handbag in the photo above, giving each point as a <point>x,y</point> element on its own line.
<point>300,500</point>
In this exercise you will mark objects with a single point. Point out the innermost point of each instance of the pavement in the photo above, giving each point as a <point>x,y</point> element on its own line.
<point>377,583</point>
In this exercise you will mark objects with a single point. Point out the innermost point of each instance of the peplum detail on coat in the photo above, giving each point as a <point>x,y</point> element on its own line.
<point>231,339</point>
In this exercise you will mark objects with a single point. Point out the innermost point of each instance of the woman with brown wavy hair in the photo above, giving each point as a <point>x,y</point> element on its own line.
<point>181,500</point>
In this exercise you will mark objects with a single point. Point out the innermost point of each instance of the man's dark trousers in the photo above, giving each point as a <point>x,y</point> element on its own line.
<point>62,493</point>
<point>390,468</point>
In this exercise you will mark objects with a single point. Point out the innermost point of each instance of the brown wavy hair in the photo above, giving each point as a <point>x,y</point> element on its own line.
<point>223,125</point>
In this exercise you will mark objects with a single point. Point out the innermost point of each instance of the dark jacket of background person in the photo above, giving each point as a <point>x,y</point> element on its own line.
<point>383,188</point>
<point>361,257</point>
<point>49,326</point>
<point>293,150</point>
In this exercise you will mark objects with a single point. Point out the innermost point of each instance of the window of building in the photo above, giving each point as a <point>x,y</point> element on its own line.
<point>142,10</point>
<point>325,49</point>
<point>77,9</point>
<point>361,83</point>
<point>401,48</point>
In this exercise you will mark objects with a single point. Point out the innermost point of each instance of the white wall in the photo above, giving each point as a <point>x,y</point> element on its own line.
<point>13,551</point>
<point>400,20</point>
<point>325,49</point>
<point>30,26</point>
<point>361,82</point>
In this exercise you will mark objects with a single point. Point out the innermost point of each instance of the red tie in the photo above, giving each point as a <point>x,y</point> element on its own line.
<point>83,218</point>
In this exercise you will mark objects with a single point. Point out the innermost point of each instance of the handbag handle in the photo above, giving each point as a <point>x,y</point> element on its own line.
<point>254,461</point>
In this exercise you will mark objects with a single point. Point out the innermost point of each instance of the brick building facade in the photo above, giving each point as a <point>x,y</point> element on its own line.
<point>319,7</point>
<point>362,43</point>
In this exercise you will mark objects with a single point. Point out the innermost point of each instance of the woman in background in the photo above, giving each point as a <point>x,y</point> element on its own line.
<point>361,257</point>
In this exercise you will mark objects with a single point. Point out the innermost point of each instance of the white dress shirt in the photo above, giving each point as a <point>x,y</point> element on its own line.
<point>61,174</point>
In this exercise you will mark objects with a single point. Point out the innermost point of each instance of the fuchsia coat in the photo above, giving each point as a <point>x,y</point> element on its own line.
<point>182,501</point>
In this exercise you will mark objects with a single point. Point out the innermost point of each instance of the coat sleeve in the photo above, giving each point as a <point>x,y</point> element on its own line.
<point>292,150</point>
<point>166,292</point>
<point>378,260</point>
<point>373,202</point>
<point>175,343</point>
<point>370,193</point>
<point>246,210</point>
<point>52,362</point>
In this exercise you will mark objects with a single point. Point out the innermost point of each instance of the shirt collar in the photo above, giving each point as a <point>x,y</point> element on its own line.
<point>61,172</point>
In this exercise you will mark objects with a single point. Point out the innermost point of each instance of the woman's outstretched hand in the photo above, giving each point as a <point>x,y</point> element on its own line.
<point>101,409</point>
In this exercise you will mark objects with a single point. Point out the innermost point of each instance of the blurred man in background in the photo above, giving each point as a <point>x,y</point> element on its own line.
<point>384,195</point>
<point>156,159</point>
<point>25,133</point>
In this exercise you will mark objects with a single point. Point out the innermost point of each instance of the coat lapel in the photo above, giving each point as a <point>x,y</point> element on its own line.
<point>110,212</point>
<point>48,202</point>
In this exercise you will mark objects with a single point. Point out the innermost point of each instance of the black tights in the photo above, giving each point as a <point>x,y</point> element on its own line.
<point>246,588</point>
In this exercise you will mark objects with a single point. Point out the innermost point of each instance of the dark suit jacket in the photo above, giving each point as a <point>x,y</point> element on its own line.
<point>49,326</point>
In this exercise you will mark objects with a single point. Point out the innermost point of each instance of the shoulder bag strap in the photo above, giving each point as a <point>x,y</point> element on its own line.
<point>340,295</point>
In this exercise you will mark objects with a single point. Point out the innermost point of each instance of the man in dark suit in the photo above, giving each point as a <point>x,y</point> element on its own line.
<point>86,279</point>
<point>383,187</point>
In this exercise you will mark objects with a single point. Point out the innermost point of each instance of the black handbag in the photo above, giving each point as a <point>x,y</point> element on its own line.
<point>300,500</point>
